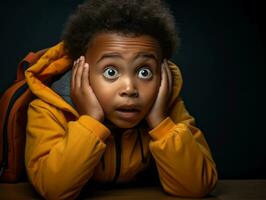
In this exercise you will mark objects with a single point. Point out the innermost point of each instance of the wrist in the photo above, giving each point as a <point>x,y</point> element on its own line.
<point>99,117</point>
<point>162,129</point>
<point>156,121</point>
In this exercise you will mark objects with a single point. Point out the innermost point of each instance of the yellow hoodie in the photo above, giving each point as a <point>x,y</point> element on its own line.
<point>65,150</point>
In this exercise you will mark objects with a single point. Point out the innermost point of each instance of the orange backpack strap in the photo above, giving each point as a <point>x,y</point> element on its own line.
<point>13,119</point>
<point>29,60</point>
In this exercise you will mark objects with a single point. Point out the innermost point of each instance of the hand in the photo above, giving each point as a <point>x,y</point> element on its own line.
<point>82,94</point>
<point>159,110</point>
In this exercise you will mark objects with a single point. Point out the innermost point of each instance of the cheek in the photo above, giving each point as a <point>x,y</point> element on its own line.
<point>149,93</point>
<point>102,91</point>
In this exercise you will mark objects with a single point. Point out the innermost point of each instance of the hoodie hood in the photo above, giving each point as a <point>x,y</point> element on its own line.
<point>55,62</point>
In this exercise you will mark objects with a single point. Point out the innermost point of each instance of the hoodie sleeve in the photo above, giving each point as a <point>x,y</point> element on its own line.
<point>183,158</point>
<point>60,156</point>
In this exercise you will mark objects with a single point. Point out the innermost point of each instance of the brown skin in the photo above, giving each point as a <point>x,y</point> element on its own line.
<point>122,79</point>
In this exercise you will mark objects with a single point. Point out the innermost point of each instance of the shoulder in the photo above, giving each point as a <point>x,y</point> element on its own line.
<point>41,104</point>
<point>41,109</point>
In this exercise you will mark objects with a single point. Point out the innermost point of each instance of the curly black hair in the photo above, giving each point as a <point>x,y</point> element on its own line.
<point>129,17</point>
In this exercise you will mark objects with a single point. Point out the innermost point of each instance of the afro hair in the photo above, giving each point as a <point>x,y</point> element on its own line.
<point>128,17</point>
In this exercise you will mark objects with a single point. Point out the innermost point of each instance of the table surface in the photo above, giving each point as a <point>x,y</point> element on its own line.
<point>225,190</point>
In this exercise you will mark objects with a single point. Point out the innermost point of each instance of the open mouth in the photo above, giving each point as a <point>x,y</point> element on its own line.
<point>128,112</point>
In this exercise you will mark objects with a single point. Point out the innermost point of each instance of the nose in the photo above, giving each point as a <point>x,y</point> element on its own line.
<point>128,88</point>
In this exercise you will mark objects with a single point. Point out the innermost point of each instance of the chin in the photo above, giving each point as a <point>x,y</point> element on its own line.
<point>124,124</point>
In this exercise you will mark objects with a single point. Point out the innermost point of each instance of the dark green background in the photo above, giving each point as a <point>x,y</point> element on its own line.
<point>222,59</point>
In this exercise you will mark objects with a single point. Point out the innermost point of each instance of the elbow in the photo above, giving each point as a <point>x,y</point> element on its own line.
<point>193,192</point>
<point>56,193</point>
<point>205,187</point>
<point>205,184</point>
<point>51,189</point>
<point>192,189</point>
<point>202,191</point>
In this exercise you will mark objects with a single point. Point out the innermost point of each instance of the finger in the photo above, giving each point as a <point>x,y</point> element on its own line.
<point>164,76</point>
<point>170,86</point>
<point>164,81</point>
<point>85,76</point>
<point>74,70</point>
<point>169,73</point>
<point>78,75</point>
<point>169,77</point>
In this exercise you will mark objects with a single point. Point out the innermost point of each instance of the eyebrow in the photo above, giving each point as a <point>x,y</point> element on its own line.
<point>109,55</point>
<point>118,55</point>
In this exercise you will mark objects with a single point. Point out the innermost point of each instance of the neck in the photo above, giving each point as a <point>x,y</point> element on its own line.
<point>116,129</point>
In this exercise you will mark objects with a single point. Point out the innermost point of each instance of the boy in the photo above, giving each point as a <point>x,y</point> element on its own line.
<point>117,109</point>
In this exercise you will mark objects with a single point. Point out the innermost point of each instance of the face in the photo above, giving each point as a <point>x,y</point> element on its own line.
<point>124,75</point>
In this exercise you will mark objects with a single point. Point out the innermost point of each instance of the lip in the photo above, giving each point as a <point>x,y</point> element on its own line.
<point>128,112</point>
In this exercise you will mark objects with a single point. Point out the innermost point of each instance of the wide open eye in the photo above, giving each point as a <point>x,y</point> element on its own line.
<point>144,73</point>
<point>110,73</point>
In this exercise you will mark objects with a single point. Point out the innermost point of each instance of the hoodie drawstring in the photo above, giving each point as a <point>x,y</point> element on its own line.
<point>143,159</point>
<point>139,139</point>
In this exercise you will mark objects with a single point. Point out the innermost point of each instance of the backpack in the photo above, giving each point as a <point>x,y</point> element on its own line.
<point>13,119</point>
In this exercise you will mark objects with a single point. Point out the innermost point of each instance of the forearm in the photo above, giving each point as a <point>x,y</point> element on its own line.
<point>184,164</point>
<point>60,161</point>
